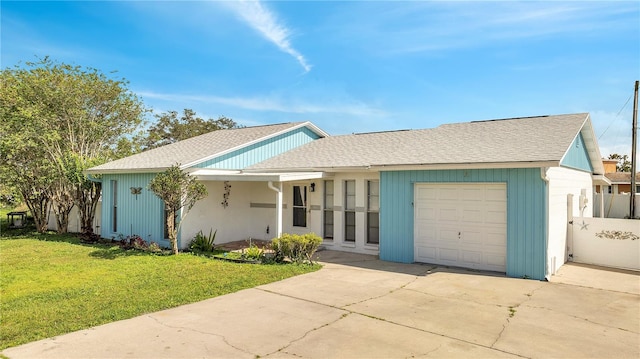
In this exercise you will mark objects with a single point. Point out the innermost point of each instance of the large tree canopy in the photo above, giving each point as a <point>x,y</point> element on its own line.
<point>56,120</point>
<point>170,128</point>
<point>624,165</point>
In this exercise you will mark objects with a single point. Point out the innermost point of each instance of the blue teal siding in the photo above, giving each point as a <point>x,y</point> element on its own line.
<point>577,156</point>
<point>261,151</point>
<point>142,215</point>
<point>526,214</point>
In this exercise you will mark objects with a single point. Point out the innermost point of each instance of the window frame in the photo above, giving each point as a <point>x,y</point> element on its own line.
<point>327,211</point>
<point>373,210</point>
<point>349,212</point>
<point>296,209</point>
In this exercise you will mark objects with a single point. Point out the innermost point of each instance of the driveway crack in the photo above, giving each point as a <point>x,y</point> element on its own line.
<point>307,333</point>
<point>201,332</point>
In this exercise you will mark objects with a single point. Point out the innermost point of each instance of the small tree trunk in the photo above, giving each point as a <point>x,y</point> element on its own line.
<point>62,203</point>
<point>87,196</point>
<point>62,217</point>
<point>38,204</point>
<point>171,228</point>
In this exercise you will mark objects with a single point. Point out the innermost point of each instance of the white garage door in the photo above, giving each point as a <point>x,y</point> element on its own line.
<point>461,224</point>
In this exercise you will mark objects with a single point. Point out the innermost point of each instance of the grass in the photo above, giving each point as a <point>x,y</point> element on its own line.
<point>52,284</point>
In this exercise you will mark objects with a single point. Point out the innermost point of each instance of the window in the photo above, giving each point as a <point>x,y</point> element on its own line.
<point>299,206</point>
<point>373,208</point>
<point>609,189</point>
<point>328,210</point>
<point>350,211</point>
<point>114,205</point>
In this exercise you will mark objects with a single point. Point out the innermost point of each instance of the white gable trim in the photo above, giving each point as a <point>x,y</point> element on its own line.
<point>240,176</point>
<point>308,124</point>
<point>589,137</point>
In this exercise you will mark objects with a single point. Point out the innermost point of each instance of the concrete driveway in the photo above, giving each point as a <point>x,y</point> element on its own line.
<point>360,307</point>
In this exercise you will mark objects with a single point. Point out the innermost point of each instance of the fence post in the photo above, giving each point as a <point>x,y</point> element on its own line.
<point>569,245</point>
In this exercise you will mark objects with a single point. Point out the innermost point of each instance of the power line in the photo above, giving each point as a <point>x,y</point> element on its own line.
<point>615,118</point>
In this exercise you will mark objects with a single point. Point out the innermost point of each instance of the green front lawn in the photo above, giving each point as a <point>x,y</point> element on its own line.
<point>52,284</point>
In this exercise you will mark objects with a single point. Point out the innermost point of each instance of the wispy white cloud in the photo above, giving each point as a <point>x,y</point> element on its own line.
<point>266,22</point>
<point>435,26</point>
<point>271,104</point>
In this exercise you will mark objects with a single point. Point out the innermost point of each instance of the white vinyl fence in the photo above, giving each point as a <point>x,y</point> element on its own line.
<point>608,242</point>
<point>74,220</point>
<point>615,205</point>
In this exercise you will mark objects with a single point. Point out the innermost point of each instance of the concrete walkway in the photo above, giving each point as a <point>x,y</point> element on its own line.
<point>360,307</point>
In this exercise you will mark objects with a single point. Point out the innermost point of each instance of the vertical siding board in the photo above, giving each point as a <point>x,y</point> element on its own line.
<point>577,156</point>
<point>140,215</point>
<point>526,214</point>
<point>261,151</point>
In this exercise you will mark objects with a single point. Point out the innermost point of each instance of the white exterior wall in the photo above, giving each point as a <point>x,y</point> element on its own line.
<point>562,182</point>
<point>315,211</point>
<point>239,220</point>
<point>252,209</point>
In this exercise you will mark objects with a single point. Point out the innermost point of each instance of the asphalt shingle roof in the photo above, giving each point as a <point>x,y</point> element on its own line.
<point>621,177</point>
<point>532,139</point>
<point>193,149</point>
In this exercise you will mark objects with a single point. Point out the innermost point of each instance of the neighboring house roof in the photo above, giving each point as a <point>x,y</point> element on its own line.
<point>537,141</point>
<point>197,149</point>
<point>621,177</point>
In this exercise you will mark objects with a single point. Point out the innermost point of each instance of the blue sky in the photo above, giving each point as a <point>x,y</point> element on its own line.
<point>355,66</point>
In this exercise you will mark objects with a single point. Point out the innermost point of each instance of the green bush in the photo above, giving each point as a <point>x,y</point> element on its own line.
<point>298,248</point>
<point>253,253</point>
<point>203,243</point>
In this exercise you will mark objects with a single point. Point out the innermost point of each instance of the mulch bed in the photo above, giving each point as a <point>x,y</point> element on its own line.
<point>239,245</point>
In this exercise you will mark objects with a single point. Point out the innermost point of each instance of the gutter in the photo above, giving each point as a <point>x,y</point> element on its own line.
<point>545,179</point>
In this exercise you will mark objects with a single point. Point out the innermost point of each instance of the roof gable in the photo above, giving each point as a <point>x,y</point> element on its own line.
<point>207,147</point>
<point>521,142</point>
<point>577,156</point>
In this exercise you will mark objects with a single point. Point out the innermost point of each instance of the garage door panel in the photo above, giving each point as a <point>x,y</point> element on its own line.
<point>448,215</point>
<point>472,258</point>
<point>474,215</point>
<point>429,253</point>
<point>427,193</point>
<point>446,235</point>
<point>471,237</point>
<point>496,260</point>
<point>461,224</point>
<point>472,195</point>
<point>496,217</point>
<point>448,194</point>
<point>449,255</point>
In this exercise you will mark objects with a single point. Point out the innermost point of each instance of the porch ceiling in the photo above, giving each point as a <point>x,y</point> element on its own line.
<point>240,176</point>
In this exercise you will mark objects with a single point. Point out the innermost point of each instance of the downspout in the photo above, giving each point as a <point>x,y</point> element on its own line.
<point>545,178</point>
<point>278,206</point>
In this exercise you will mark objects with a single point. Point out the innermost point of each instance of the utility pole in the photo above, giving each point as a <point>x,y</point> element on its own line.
<point>634,134</point>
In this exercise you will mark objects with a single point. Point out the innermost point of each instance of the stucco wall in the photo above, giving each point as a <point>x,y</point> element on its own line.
<point>562,182</point>
<point>239,220</point>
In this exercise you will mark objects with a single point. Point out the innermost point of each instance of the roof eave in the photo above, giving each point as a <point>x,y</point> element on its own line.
<point>92,171</point>
<point>466,166</point>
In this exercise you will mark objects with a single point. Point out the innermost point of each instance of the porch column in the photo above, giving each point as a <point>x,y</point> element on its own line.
<point>278,190</point>
<point>601,201</point>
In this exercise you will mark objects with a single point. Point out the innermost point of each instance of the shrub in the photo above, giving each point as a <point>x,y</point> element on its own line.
<point>298,248</point>
<point>253,253</point>
<point>203,243</point>
<point>154,247</point>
